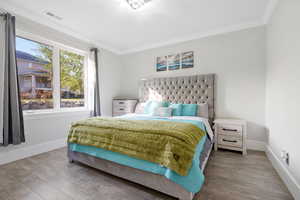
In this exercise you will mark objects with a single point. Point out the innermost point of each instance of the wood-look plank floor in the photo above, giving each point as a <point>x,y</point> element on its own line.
<point>50,176</point>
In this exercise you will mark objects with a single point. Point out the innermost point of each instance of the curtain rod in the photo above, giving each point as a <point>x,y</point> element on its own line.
<point>94,49</point>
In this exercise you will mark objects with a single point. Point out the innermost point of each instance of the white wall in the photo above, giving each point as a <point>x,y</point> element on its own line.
<point>109,62</point>
<point>43,133</point>
<point>49,131</point>
<point>283,83</point>
<point>110,77</point>
<point>238,60</point>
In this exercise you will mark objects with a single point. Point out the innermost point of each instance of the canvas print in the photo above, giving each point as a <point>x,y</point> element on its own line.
<point>174,62</point>
<point>187,60</point>
<point>161,63</point>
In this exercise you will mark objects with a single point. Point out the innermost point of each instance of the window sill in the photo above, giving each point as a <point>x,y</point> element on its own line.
<point>40,114</point>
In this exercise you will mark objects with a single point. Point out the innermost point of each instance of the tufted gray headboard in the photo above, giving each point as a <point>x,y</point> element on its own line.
<point>194,89</point>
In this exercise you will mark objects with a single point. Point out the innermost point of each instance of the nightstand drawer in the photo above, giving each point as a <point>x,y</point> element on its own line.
<point>227,140</point>
<point>124,103</point>
<point>123,106</point>
<point>228,129</point>
<point>231,134</point>
<point>122,109</point>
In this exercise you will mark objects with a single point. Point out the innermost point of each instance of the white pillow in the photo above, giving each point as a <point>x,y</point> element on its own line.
<point>203,110</point>
<point>139,109</point>
<point>163,112</point>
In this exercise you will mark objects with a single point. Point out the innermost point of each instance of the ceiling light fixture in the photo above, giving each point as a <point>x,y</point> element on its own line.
<point>135,4</point>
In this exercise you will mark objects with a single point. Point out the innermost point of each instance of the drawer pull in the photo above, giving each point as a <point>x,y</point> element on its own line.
<point>232,141</point>
<point>121,102</point>
<point>121,109</point>
<point>228,129</point>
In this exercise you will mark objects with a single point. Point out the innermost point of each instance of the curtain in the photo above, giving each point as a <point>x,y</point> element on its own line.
<point>11,111</point>
<point>2,55</point>
<point>97,108</point>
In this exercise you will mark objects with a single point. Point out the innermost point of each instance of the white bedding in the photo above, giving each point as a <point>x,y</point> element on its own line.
<point>204,120</point>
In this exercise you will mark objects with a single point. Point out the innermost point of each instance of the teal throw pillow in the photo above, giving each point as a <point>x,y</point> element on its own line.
<point>176,109</point>
<point>189,110</point>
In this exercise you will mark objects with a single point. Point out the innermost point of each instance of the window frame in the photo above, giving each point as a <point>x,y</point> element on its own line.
<point>56,75</point>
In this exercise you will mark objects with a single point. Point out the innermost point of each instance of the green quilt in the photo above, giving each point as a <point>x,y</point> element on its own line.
<point>171,144</point>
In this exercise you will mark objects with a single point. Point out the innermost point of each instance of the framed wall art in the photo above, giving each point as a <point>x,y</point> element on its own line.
<point>174,62</point>
<point>161,63</point>
<point>187,60</point>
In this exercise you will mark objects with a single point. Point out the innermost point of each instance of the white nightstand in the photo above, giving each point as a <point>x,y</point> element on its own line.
<point>122,106</point>
<point>231,134</point>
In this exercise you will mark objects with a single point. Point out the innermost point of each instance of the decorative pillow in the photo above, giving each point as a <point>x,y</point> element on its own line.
<point>139,108</point>
<point>165,104</point>
<point>189,110</point>
<point>176,109</point>
<point>150,107</point>
<point>203,110</point>
<point>163,112</point>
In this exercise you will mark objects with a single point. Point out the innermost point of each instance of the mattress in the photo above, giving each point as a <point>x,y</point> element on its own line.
<point>192,182</point>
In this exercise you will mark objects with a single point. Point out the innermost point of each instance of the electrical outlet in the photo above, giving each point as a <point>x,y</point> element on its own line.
<point>285,157</point>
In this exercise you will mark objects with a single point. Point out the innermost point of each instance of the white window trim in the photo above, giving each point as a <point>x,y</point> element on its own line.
<point>56,77</point>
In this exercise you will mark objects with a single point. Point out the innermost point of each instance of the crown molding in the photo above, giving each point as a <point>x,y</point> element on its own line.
<point>47,21</point>
<point>269,10</point>
<point>223,30</point>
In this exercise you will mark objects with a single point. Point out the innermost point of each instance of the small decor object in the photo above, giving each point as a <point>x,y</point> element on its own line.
<point>161,63</point>
<point>174,62</point>
<point>187,60</point>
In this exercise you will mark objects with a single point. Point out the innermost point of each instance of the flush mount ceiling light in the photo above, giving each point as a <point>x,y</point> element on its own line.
<point>135,4</point>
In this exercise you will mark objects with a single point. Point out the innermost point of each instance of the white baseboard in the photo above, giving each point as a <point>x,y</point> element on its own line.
<point>24,152</point>
<point>256,145</point>
<point>284,173</point>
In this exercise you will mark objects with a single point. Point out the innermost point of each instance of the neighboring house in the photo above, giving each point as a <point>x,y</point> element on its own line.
<point>34,79</point>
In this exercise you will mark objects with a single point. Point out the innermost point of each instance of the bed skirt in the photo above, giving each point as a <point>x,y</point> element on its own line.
<point>151,180</point>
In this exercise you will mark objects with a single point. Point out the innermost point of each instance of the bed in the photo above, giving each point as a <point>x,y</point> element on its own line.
<point>195,89</point>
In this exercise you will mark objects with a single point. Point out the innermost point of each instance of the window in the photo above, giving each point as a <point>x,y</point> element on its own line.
<point>34,62</point>
<point>51,76</point>
<point>71,79</point>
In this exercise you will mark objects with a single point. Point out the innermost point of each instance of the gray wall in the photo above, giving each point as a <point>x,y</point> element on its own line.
<point>283,83</point>
<point>238,59</point>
